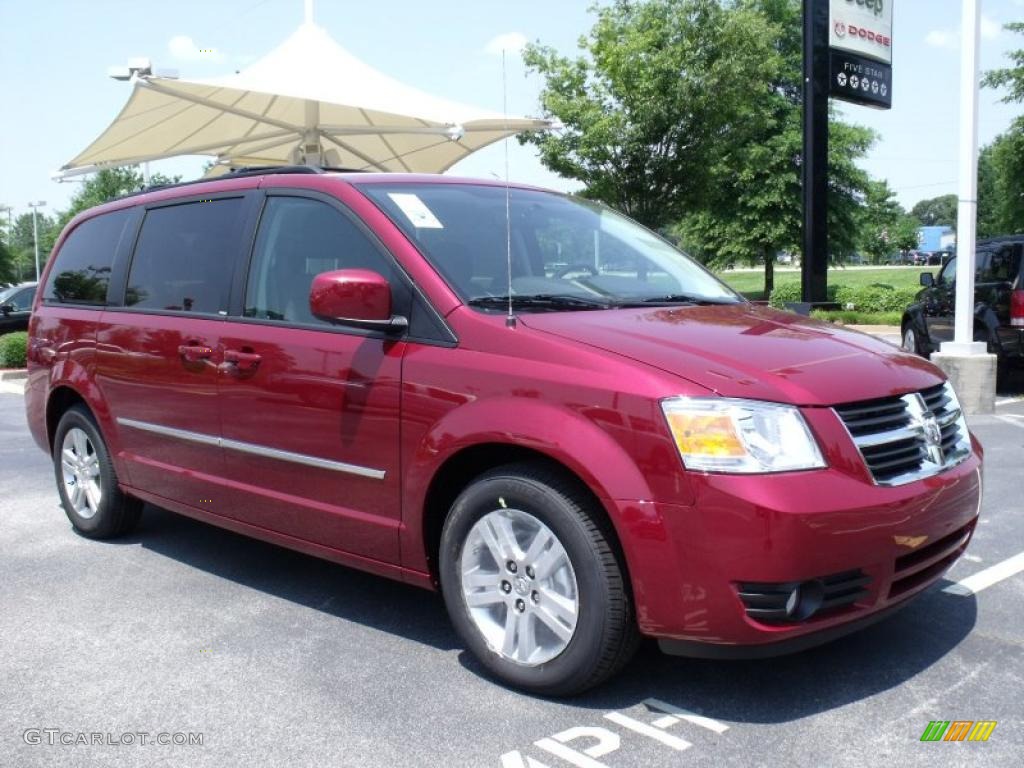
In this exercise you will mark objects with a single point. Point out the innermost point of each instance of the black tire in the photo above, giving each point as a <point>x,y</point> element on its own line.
<point>117,513</point>
<point>917,344</point>
<point>606,635</point>
<point>1003,373</point>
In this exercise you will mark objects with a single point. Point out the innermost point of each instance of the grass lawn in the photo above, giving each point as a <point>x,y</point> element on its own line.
<point>751,284</point>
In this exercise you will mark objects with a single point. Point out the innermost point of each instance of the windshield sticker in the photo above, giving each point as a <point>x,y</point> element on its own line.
<point>416,210</point>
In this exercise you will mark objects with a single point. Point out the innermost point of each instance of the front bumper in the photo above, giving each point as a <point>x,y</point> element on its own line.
<point>687,563</point>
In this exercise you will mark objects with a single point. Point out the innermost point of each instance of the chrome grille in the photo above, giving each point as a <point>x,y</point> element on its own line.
<point>905,438</point>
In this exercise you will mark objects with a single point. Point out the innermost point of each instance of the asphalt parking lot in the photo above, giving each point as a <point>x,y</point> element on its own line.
<point>276,658</point>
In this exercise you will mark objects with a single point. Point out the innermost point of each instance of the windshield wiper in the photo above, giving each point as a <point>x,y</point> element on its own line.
<point>683,298</point>
<point>539,301</point>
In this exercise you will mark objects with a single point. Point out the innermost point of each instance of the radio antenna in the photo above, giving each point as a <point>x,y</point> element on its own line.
<point>510,319</point>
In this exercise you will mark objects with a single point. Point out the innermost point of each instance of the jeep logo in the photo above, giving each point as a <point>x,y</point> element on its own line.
<point>871,5</point>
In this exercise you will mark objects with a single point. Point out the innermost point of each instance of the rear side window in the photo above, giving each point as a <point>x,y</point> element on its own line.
<point>81,273</point>
<point>183,259</point>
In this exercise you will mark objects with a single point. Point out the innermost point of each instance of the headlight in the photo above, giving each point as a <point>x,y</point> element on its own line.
<point>740,436</point>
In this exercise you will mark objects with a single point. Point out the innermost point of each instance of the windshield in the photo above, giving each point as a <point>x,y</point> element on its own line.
<point>6,293</point>
<point>562,248</point>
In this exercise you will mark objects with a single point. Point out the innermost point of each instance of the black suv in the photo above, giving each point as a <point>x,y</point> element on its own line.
<point>16,306</point>
<point>998,304</point>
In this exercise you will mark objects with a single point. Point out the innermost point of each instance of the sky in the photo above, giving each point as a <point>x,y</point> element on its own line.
<point>56,96</point>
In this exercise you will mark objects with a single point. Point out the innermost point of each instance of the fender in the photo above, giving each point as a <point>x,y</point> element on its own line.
<point>560,433</point>
<point>986,325</point>
<point>76,371</point>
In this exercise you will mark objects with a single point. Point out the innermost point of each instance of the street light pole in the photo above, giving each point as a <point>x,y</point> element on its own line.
<point>35,230</point>
<point>970,366</point>
<point>967,211</point>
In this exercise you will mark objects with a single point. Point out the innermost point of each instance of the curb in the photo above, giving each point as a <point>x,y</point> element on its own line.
<point>14,375</point>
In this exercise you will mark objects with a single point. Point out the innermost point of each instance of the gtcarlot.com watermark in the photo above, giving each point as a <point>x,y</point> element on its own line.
<point>53,737</point>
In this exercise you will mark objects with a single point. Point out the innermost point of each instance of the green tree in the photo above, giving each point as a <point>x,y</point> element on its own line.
<point>1001,166</point>
<point>7,266</point>
<point>662,90</point>
<point>22,244</point>
<point>1001,184</point>
<point>879,218</point>
<point>903,236</point>
<point>752,208</point>
<point>936,211</point>
<point>1011,78</point>
<point>106,185</point>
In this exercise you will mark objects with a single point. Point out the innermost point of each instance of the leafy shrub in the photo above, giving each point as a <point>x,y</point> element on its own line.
<point>875,299</point>
<point>783,294</point>
<point>862,299</point>
<point>13,350</point>
<point>858,318</point>
<point>787,292</point>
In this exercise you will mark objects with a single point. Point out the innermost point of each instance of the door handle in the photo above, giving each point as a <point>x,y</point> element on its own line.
<point>194,353</point>
<point>44,352</point>
<point>239,360</point>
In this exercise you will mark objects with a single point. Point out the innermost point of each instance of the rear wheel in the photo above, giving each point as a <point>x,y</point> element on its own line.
<point>86,480</point>
<point>532,583</point>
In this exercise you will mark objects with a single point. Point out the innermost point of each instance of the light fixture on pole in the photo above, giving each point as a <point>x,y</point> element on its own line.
<point>35,230</point>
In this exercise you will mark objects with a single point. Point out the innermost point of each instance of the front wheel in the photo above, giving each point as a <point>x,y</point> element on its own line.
<point>86,480</point>
<point>532,583</point>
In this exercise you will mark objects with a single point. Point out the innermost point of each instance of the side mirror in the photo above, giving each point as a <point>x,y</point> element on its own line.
<point>927,279</point>
<point>7,309</point>
<point>356,297</point>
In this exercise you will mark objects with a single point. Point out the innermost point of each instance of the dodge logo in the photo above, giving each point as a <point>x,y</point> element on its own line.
<point>840,29</point>
<point>924,420</point>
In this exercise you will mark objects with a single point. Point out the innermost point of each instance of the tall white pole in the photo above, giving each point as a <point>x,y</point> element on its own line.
<point>35,239</point>
<point>35,231</point>
<point>967,215</point>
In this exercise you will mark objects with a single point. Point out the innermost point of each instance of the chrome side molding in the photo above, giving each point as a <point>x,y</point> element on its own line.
<point>253,449</point>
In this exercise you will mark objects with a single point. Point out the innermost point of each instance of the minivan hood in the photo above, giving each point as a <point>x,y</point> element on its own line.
<point>743,350</point>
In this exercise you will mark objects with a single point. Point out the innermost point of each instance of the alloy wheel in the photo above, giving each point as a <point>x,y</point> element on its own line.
<point>910,341</point>
<point>519,587</point>
<point>80,468</point>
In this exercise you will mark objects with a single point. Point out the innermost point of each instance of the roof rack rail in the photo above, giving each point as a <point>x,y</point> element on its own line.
<point>261,170</point>
<point>255,170</point>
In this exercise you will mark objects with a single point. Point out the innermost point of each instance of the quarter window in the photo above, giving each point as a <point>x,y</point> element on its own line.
<point>298,239</point>
<point>184,257</point>
<point>81,273</point>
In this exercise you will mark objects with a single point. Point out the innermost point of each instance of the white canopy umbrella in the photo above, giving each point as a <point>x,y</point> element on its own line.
<point>310,102</point>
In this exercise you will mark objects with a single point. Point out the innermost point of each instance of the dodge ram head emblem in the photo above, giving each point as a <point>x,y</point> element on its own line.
<point>924,421</point>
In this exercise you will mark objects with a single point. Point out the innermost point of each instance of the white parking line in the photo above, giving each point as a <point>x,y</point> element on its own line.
<point>1014,419</point>
<point>972,585</point>
<point>609,741</point>
<point>683,714</point>
<point>1009,401</point>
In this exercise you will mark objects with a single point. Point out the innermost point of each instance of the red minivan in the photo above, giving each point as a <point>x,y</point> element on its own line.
<point>521,398</point>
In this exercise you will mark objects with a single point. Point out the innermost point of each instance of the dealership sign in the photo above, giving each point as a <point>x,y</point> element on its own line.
<point>860,43</point>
